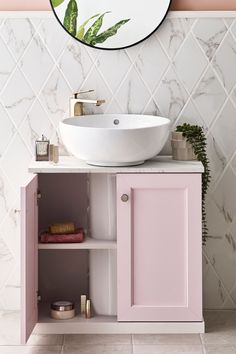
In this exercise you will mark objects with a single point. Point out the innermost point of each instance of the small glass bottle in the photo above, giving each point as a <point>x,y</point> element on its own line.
<point>42,149</point>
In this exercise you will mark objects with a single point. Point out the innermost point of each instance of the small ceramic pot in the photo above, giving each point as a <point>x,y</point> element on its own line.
<point>181,148</point>
<point>62,310</point>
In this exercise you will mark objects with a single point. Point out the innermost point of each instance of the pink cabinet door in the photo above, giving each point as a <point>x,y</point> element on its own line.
<point>29,257</point>
<point>159,247</point>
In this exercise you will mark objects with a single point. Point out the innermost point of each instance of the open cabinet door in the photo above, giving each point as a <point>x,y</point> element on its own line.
<point>29,257</point>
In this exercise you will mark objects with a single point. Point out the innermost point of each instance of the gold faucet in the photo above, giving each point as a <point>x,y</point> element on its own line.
<point>77,104</point>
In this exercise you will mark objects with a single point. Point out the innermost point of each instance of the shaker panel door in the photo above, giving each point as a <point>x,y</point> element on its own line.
<point>159,247</point>
<point>29,257</point>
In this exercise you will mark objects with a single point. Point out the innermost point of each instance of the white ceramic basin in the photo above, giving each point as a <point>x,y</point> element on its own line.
<point>114,139</point>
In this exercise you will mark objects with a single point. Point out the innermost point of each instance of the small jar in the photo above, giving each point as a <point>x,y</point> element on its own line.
<point>62,310</point>
<point>42,149</point>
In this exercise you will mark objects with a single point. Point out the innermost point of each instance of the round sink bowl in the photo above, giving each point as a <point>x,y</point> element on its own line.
<point>114,139</point>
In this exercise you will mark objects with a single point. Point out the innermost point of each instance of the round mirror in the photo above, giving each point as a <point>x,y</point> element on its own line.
<point>110,24</point>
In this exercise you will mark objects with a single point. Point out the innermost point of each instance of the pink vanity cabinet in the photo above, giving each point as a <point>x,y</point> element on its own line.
<point>159,247</point>
<point>154,211</point>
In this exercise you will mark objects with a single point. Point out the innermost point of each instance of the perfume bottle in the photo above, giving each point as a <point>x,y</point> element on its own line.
<point>42,149</point>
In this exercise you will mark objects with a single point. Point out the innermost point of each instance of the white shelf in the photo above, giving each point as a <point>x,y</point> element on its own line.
<point>88,244</point>
<point>109,325</point>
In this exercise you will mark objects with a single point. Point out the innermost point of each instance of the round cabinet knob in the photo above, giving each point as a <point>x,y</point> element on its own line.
<point>124,198</point>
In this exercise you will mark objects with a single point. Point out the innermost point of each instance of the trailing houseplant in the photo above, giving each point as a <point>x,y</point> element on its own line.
<point>195,135</point>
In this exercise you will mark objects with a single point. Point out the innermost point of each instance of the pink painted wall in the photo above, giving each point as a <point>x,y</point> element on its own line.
<point>22,5</point>
<point>203,5</point>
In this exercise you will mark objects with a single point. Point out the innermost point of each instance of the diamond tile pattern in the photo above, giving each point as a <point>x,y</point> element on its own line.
<point>185,71</point>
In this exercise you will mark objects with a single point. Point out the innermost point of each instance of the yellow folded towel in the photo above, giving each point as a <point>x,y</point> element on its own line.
<point>65,228</point>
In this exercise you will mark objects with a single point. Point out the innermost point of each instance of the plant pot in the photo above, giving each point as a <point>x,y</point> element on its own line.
<point>183,154</point>
<point>181,149</point>
<point>177,136</point>
<point>180,144</point>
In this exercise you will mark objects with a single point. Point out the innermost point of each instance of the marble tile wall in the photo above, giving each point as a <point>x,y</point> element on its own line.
<point>185,71</point>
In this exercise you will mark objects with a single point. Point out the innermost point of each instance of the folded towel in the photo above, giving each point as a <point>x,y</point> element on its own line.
<point>61,229</point>
<point>76,237</point>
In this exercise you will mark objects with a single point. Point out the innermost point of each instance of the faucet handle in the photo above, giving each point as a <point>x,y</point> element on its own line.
<point>75,95</point>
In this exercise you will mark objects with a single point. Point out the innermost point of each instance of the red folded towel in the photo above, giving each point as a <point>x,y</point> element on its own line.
<point>77,237</point>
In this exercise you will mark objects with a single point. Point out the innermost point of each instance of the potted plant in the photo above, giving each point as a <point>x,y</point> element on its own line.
<point>195,136</point>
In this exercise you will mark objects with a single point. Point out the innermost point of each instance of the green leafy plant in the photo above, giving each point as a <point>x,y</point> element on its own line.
<point>91,35</point>
<point>56,3</point>
<point>195,135</point>
<point>81,30</point>
<point>108,33</point>
<point>70,19</point>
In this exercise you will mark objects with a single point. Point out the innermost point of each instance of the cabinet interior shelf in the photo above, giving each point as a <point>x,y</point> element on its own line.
<point>108,325</point>
<point>88,244</point>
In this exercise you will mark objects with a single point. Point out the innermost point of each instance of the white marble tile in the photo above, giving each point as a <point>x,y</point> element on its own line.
<point>15,162</point>
<point>17,33</point>
<point>132,96</point>
<point>190,115</point>
<point>9,328</point>
<point>7,129</point>
<point>217,159</point>
<point>214,294</point>
<point>53,36</point>
<point>216,219</point>
<point>112,107</point>
<point>6,262</point>
<point>7,195</point>
<point>229,303</point>
<point>55,96</point>
<point>224,129</point>
<point>75,63</point>
<point>36,63</point>
<point>170,95</point>
<point>205,264</point>
<point>170,339</point>
<point>10,229</point>
<point>172,34</point>
<point>209,33</point>
<point>56,140</point>
<point>97,339</point>
<point>151,62</point>
<point>95,82</point>
<point>114,73</point>
<point>151,108</point>
<point>233,291</point>
<point>134,51</point>
<point>224,60</point>
<point>229,21</point>
<point>225,196</point>
<point>7,64</point>
<point>209,96</point>
<point>233,164</point>
<point>97,349</point>
<point>190,63</point>
<point>35,125</point>
<point>93,53</point>
<point>222,254</point>
<point>11,294</point>
<point>232,23</point>
<point>17,97</point>
<point>168,349</point>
